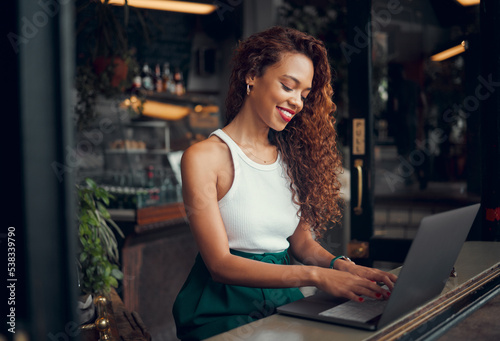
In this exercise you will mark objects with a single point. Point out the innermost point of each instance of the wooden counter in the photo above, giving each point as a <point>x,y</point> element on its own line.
<point>151,218</point>
<point>156,256</point>
<point>478,267</point>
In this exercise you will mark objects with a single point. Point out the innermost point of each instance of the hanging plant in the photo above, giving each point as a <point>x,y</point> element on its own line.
<point>108,77</point>
<point>109,65</point>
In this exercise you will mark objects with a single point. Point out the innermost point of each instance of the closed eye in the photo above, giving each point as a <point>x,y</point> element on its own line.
<point>286,88</point>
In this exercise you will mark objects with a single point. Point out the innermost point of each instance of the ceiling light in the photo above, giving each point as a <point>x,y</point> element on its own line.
<point>450,52</point>
<point>155,109</point>
<point>468,2</point>
<point>167,5</point>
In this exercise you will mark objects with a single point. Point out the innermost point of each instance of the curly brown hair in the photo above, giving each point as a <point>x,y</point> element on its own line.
<point>308,144</point>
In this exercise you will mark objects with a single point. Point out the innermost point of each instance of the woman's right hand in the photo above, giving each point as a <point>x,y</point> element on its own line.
<point>352,286</point>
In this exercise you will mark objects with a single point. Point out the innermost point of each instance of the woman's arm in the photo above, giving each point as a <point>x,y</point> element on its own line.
<point>308,251</point>
<point>202,177</point>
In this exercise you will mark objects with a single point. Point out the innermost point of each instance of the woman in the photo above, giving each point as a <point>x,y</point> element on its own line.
<point>256,189</point>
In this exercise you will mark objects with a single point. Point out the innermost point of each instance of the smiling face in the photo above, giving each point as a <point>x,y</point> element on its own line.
<point>279,94</point>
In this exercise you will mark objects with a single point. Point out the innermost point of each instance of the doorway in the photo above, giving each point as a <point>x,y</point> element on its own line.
<point>422,137</point>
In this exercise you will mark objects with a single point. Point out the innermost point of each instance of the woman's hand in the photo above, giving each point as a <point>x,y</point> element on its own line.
<point>348,279</point>
<point>372,274</point>
<point>352,281</point>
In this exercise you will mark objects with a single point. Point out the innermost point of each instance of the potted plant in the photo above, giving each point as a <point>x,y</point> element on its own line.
<point>98,255</point>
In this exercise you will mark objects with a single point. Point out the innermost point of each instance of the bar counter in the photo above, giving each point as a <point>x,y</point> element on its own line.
<point>476,285</point>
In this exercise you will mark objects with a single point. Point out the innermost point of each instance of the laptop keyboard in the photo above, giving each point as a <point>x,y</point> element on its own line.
<point>357,311</point>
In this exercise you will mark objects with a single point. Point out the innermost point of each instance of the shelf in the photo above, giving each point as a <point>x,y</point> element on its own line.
<point>138,151</point>
<point>148,123</point>
<point>126,151</point>
<point>159,151</point>
<point>120,214</point>
<point>188,99</point>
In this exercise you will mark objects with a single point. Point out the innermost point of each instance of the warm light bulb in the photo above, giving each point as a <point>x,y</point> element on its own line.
<point>451,52</point>
<point>468,2</point>
<point>167,5</point>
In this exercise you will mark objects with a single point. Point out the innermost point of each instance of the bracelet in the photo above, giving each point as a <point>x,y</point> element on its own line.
<point>339,257</point>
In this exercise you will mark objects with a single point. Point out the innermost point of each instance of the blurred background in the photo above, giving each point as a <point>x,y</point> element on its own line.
<point>103,98</point>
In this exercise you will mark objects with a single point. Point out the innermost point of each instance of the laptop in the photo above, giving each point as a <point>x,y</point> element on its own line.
<point>423,276</point>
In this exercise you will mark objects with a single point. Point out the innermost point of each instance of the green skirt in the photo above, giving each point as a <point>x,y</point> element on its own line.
<point>204,308</point>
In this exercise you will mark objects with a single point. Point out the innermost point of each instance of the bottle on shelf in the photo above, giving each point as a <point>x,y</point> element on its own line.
<point>137,80</point>
<point>146,78</point>
<point>168,82</point>
<point>169,190</point>
<point>179,82</point>
<point>150,176</point>
<point>153,191</point>
<point>158,79</point>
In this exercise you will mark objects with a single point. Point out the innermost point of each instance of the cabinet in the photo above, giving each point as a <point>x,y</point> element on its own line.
<point>137,158</point>
<point>141,168</point>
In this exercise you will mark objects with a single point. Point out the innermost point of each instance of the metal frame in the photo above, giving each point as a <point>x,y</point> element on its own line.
<point>359,93</point>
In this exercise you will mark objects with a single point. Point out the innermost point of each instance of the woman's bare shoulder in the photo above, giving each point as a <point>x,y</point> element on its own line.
<point>209,153</point>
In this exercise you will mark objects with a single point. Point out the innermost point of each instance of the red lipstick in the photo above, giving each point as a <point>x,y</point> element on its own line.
<point>286,114</point>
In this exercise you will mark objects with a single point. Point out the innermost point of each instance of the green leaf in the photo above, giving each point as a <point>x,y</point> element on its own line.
<point>100,193</point>
<point>89,271</point>
<point>103,211</point>
<point>107,272</point>
<point>116,273</point>
<point>98,216</point>
<point>87,199</point>
<point>84,227</point>
<point>117,228</point>
<point>91,183</point>
<point>106,200</point>
<point>83,241</point>
<point>83,257</point>
<point>113,282</point>
<point>93,220</point>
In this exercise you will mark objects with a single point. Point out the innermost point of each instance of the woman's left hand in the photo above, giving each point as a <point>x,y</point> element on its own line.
<point>374,275</point>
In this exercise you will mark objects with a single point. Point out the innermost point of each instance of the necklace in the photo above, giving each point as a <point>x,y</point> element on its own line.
<point>248,150</point>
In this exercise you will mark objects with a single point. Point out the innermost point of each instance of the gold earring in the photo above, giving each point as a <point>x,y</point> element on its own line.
<point>248,89</point>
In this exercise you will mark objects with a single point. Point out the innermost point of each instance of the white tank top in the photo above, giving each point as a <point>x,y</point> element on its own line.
<point>257,211</point>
